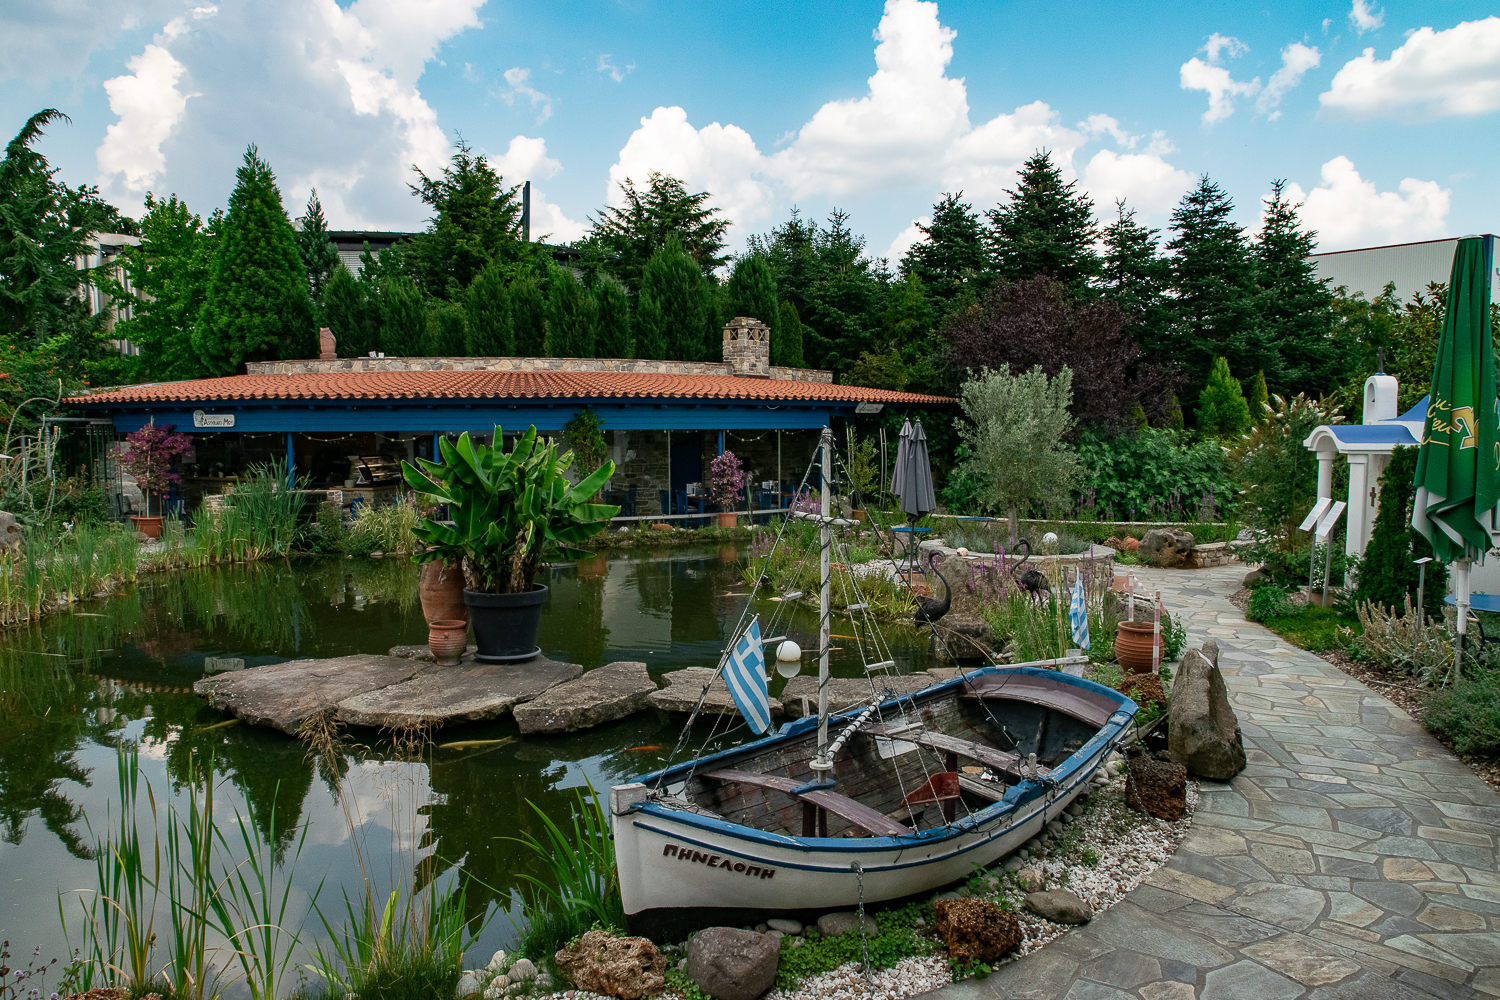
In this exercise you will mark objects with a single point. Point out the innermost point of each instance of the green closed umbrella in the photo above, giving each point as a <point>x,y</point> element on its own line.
<point>1458,468</point>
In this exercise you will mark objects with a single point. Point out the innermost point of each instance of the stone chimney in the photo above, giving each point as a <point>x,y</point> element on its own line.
<point>747,347</point>
<point>327,345</point>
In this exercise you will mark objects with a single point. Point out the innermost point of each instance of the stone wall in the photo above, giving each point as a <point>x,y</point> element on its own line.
<point>339,365</point>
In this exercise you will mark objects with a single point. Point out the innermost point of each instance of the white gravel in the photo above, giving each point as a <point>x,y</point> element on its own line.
<point>1129,848</point>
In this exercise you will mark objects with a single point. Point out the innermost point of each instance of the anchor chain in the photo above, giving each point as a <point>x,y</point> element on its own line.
<point>864,936</point>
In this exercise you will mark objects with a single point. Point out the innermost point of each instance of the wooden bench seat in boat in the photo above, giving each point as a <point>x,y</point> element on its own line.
<point>1085,706</point>
<point>862,816</point>
<point>1007,764</point>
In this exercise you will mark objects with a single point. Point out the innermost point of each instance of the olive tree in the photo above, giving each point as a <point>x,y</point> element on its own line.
<point>1016,434</point>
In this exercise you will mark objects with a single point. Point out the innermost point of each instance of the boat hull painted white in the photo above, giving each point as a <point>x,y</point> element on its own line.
<point>675,859</point>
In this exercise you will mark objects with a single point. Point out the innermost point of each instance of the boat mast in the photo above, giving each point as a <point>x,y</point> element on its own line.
<point>825,535</point>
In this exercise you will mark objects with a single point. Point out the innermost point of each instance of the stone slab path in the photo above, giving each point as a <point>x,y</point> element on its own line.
<point>1353,859</point>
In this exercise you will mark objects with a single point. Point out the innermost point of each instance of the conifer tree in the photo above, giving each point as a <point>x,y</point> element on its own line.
<point>612,339</point>
<point>1295,308</point>
<point>1138,278</point>
<point>572,313</point>
<point>1047,225</point>
<point>953,254</point>
<point>671,309</point>
<point>1222,409</point>
<point>528,317</point>
<point>447,329</point>
<point>751,291</point>
<point>1213,277</point>
<point>476,223</point>
<point>1259,398</point>
<point>639,229</point>
<point>257,305</point>
<point>352,315</point>
<point>1389,574</point>
<point>487,312</point>
<point>403,330</point>
<point>787,352</point>
<point>319,255</point>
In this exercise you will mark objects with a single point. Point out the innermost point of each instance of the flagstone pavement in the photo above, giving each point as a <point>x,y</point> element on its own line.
<point>1353,859</point>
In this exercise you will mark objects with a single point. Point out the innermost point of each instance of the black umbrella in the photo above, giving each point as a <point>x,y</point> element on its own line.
<point>912,482</point>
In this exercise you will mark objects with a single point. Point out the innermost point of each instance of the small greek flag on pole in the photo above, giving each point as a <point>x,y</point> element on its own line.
<point>1078,614</point>
<point>745,673</point>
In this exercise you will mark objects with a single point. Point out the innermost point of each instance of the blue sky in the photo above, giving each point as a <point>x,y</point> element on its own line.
<point>1383,118</point>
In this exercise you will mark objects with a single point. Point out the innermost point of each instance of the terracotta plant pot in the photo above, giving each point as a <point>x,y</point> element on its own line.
<point>148,526</point>
<point>728,519</point>
<point>860,516</point>
<point>1133,646</point>
<point>448,640</point>
<point>442,592</point>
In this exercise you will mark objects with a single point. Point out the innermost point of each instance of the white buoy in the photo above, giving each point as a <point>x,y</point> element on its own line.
<point>788,659</point>
<point>1050,538</point>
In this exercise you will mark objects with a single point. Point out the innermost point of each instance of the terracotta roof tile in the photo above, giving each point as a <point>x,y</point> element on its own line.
<point>493,385</point>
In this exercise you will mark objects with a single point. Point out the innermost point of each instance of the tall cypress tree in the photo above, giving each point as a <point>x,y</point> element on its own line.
<point>751,291</point>
<point>487,311</point>
<point>952,257</point>
<point>257,305</point>
<point>1222,409</point>
<point>1047,225</point>
<point>447,329</point>
<point>788,351</point>
<point>572,313</point>
<point>528,317</point>
<point>1296,309</point>
<point>1213,276</point>
<point>319,255</point>
<point>1389,574</point>
<point>612,339</point>
<point>1137,278</point>
<point>403,330</point>
<point>671,307</point>
<point>352,316</point>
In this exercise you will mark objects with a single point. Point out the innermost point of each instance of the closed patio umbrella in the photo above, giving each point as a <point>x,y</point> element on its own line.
<point>1457,481</point>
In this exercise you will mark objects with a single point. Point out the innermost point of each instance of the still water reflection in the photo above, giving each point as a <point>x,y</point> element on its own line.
<point>122,669</point>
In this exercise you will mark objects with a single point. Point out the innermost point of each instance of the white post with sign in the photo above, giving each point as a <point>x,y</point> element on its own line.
<point>1325,528</point>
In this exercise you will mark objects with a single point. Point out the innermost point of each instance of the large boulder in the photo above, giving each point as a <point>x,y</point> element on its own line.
<point>976,930</point>
<point>625,967</point>
<point>1167,547</point>
<point>732,964</point>
<point>1059,906</point>
<point>1204,734</point>
<point>964,637</point>
<point>1157,786</point>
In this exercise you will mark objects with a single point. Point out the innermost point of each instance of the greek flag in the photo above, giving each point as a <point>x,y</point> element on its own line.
<point>745,673</point>
<point>1078,615</point>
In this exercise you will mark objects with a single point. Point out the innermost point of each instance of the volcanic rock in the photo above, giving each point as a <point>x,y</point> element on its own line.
<point>1142,687</point>
<point>1157,787</point>
<point>976,930</point>
<point>1167,547</point>
<point>625,967</point>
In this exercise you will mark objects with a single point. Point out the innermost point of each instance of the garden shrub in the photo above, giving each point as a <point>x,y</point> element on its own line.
<point>1270,602</point>
<point>1280,476</point>
<point>1388,575</point>
<point>1397,641</point>
<point>1134,472</point>
<point>1468,714</point>
<point>1222,409</point>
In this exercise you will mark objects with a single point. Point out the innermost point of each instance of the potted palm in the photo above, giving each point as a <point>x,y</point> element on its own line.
<point>511,511</point>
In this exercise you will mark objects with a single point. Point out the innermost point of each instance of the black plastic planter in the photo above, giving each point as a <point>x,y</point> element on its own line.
<point>505,625</point>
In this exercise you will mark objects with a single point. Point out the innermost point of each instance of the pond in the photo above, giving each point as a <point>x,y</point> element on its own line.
<point>121,669</point>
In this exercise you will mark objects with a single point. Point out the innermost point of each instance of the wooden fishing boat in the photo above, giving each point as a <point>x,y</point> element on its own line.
<point>887,800</point>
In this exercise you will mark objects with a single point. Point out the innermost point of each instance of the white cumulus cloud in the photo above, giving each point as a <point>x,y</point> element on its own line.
<point>148,103</point>
<point>41,40</point>
<point>1433,74</point>
<point>907,238</point>
<point>1296,60</point>
<point>1215,80</point>
<point>1348,211</point>
<point>910,126</point>
<point>518,84</point>
<point>1149,183</point>
<point>525,159</point>
<point>1363,18</point>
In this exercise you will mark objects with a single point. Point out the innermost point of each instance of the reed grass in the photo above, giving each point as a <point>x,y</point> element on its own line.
<point>390,528</point>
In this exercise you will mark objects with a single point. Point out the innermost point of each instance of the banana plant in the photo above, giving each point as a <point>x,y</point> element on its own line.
<point>511,510</point>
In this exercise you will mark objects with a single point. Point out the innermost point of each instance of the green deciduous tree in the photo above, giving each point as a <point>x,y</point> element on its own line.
<point>639,229</point>
<point>612,339</point>
<point>1046,226</point>
<point>528,317</point>
<point>572,317</point>
<point>487,309</point>
<point>1295,308</point>
<point>476,223</point>
<point>952,257</point>
<point>1222,410</point>
<point>167,283</point>
<point>1280,475</point>
<point>319,256</point>
<point>787,351</point>
<point>1016,431</point>
<point>257,305</point>
<point>1213,276</point>
<point>1389,574</point>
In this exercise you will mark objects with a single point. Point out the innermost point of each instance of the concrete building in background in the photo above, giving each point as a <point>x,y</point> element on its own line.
<point>1412,266</point>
